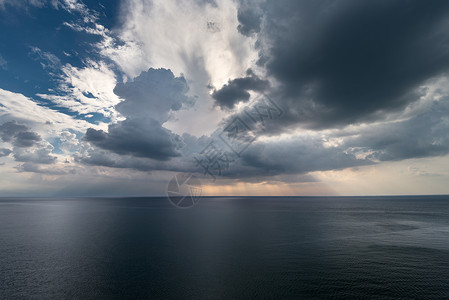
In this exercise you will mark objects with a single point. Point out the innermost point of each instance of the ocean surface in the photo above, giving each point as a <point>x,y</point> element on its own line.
<point>225,248</point>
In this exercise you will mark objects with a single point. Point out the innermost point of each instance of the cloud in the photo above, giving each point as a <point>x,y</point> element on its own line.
<point>236,90</point>
<point>19,135</point>
<point>222,51</point>
<point>75,6</point>
<point>26,139</point>
<point>421,130</point>
<point>4,152</point>
<point>424,135</point>
<point>339,63</point>
<point>149,100</point>
<point>204,47</point>
<point>354,81</point>
<point>48,60</point>
<point>40,155</point>
<point>98,157</point>
<point>273,158</point>
<point>154,93</point>
<point>28,145</point>
<point>86,90</point>
<point>69,142</point>
<point>29,127</point>
<point>250,17</point>
<point>140,138</point>
<point>36,168</point>
<point>296,156</point>
<point>44,120</point>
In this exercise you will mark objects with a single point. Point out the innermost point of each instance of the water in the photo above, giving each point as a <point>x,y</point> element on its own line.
<point>225,248</point>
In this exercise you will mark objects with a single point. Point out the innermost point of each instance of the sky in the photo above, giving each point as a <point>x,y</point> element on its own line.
<point>253,97</point>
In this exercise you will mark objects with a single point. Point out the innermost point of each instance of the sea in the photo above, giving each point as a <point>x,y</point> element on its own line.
<point>225,248</point>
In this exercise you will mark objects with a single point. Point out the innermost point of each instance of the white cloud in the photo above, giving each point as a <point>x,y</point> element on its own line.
<point>87,90</point>
<point>47,60</point>
<point>69,142</point>
<point>45,121</point>
<point>96,29</point>
<point>75,6</point>
<point>180,34</point>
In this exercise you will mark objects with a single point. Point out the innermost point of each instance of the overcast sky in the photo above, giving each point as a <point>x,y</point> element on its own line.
<point>254,97</point>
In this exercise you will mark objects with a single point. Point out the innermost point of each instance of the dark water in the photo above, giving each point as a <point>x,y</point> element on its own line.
<point>225,248</point>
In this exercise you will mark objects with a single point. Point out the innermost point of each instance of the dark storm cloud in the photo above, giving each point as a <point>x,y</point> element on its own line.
<point>341,62</point>
<point>294,156</point>
<point>149,99</point>
<point>141,138</point>
<point>250,18</point>
<point>112,160</point>
<point>19,135</point>
<point>424,135</point>
<point>236,90</point>
<point>334,63</point>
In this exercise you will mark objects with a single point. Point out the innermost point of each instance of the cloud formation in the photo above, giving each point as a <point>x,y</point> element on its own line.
<point>19,135</point>
<point>236,90</point>
<point>28,146</point>
<point>249,16</point>
<point>4,152</point>
<point>339,63</point>
<point>359,84</point>
<point>148,101</point>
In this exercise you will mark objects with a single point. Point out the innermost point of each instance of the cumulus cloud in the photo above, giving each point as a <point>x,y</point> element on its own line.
<point>38,155</point>
<point>154,93</point>
<point>421,132</point>
<point>69,142</point>
<point>149,100</point>
<point>204,46</point>
<point>28,145</point>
